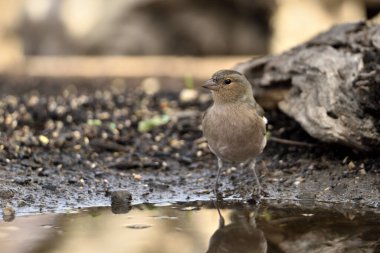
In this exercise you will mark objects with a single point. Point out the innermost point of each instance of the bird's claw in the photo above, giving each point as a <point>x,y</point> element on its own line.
<point>255,197</point>
<point>219,196</point>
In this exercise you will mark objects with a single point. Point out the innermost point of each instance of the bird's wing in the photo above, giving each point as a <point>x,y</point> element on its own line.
<point>204,114</point>
<point>260,111</point>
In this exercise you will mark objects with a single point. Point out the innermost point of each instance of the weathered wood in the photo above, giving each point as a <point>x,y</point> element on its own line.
<point>333,84</point>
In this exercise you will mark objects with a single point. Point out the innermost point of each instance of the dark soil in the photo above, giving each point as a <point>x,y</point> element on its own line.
<point>69,143</point>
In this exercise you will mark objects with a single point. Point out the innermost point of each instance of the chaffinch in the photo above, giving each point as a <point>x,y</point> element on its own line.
<point>234,126</point>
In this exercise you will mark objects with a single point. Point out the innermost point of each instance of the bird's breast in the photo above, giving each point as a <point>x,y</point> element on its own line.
<point>234,133</point>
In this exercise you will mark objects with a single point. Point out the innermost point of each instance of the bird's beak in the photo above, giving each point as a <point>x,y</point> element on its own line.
<point>210,84</point>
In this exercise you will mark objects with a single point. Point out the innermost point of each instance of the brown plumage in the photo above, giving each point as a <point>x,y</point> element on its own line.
<point>234,125</point>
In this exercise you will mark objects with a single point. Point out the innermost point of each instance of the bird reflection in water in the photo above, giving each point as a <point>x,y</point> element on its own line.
<point>240,236</point>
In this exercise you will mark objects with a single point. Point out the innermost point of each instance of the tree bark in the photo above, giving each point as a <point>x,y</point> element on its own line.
<point>332,84</point>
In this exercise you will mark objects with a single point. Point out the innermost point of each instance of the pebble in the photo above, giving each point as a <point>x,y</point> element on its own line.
<point>188,95</point>
<point>298,181</point>
<point>6,193</point>
<point>175,143</point>
<point>43,139</point>
<point>121,201</point>
<point>185,160</point>
<point>151,86</point>
<point>22,180</point>
<point>50,187</point>
<point>9,213</point>
<point>203,145</point>
<point>351,165</point>
<point>137,177</point>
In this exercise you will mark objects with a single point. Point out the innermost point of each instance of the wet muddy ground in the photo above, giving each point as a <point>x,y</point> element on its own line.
<point>68,143</point>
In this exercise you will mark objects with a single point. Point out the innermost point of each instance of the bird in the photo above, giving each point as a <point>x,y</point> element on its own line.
<point>234,125</point>
<point>241,235</point>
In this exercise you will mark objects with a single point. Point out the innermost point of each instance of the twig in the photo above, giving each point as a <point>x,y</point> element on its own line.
<point>291,142</point>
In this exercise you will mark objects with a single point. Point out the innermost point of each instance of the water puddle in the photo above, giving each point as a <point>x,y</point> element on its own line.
<point>195,227</point>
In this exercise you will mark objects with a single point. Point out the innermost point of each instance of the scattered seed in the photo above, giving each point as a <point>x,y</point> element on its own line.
<point>43,139</point>
<point>137,177</point>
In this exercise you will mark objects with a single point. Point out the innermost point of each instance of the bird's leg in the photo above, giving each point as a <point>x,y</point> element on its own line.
<point>221,218</point>
<point>252,166</point>
<point>220,167</point>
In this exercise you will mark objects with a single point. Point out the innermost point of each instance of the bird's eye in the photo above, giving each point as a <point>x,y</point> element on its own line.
<point>227,81</point>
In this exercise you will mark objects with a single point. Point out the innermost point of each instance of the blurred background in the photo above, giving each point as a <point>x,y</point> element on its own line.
<point>53,28</point>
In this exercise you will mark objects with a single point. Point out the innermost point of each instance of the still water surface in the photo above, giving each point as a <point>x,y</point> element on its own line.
<point>195,228</point>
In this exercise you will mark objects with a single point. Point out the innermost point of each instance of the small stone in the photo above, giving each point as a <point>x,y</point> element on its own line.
<point>158,138</point>
<point>119,84</point>
<point>6,193</point>
<point>49,186</point>
<point>230,170</point>
<point>9,213</point>
<point>121,201</point>
<point>76,135</point>
<point>104,115</point>
<point>185,160</point>
<point>155,148</point>
<point>351,165</point>
<point>203,145</point>
<point>33,100</point>
<point>137,177</point>
<point>22,180</point>
<point>188,95</point>
<point>150,85</point>
<point>298,181</point>
<point>175,143</point>
<point>362,172</point>
<point>43,139</point>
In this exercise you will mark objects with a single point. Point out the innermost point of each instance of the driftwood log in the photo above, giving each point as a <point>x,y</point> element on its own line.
<point>330,85</point>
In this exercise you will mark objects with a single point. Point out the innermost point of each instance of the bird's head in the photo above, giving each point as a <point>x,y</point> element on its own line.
<point>228,86</point>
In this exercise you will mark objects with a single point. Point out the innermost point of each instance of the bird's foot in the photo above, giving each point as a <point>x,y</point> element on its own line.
<point>256,196</point>
<point>218,196</point>
<point>254,199</point>
<point>258,191</point>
